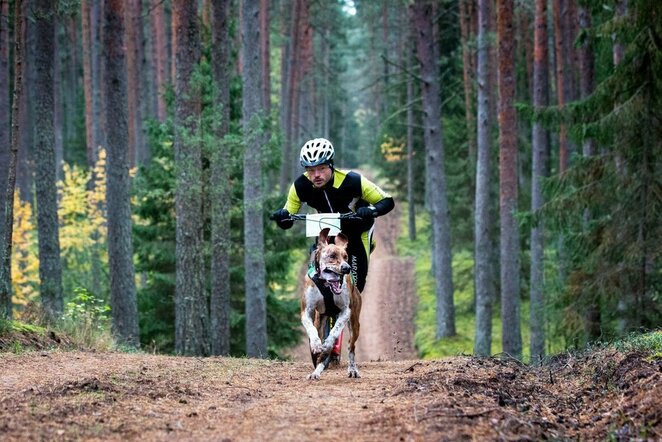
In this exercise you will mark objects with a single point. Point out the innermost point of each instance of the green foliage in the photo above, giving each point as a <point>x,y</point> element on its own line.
<point>87,310</point>
<point>608,206</point>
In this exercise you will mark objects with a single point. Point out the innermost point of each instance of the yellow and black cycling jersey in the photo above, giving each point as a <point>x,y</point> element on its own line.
<point>345,192</point>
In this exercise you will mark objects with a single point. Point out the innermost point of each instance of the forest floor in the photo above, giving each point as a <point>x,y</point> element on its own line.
<point>53,394</point>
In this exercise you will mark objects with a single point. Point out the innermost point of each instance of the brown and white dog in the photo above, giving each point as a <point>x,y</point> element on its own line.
<point>332,272</point>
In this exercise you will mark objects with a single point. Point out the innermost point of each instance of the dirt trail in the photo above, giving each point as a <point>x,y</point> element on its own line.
<point>119,396</point>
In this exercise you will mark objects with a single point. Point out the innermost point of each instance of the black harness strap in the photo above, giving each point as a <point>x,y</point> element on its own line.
<point>330,307</point>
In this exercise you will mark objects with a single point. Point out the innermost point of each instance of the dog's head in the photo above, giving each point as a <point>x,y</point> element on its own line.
<point>332,260</point>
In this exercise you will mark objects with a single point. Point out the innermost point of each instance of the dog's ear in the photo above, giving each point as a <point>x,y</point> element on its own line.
<point>323,238</point>
<point>341,240</point>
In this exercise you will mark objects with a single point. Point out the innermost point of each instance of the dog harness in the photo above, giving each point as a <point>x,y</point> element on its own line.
<point>330,307</point>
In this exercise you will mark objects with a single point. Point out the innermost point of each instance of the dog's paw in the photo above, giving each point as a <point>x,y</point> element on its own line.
<point>353,372</point>
<point>316,346</point>
<point>314,376</point>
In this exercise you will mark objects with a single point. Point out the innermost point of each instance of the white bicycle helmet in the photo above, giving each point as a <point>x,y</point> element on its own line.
<point>317,151</point>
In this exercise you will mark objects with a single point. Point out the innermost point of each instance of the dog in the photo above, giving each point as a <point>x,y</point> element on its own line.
<point>332,275</point>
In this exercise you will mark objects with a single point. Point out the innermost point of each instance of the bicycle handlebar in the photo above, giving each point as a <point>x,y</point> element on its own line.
<point>303,216</point>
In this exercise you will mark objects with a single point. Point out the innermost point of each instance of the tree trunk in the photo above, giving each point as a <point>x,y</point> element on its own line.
<point>219,311</point>
<point>159,56</point>
<point>50,267</point>
<point>562,48</point>
<point>411,212</point>
<point>510,274</point>
<point>8,213</point>
<point>434,154</point>
<point>285,81</point>
<point>58,108</point>
<point>252,115</point>
<point>192,315</point>
<point>25,165</point>
<point>124,308</point>
<point>466,13</point>
<point>483,215</point>
<point>87,84</point>
<point>540,142</point>
<point>133,13</point>
<point>5,103</point>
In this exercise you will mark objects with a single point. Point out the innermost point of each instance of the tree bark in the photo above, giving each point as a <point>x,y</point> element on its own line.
<point>8,218</point>
<point>510,273</point>
<point>192,315</point>
<point>133,13</point>
<point>411,209</point>
<point>25,165</point>
<point>87,84</point>
<point>436,177</point>
<point>124,308</point>
<point>483,220</point>
<point>50,267</point>
<point>5,103</point>
<point>159,56</point>
<point>540,145</point>
<point>220,177</point>
<point>468,73</point>
<point>252,117</point>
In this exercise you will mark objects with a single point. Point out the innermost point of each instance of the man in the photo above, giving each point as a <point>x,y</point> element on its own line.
<point>329,190</point>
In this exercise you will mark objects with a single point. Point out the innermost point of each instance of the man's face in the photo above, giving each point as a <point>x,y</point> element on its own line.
<point>319,175</point>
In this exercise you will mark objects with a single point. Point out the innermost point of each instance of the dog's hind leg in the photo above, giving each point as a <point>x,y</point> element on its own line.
<point>354,330</point>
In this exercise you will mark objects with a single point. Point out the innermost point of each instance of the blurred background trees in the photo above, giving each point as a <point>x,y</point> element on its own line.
<point>546,114</point>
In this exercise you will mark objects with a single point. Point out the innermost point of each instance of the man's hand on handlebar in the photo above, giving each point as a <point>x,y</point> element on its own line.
<point>366,213</point>
<point>280,215</point>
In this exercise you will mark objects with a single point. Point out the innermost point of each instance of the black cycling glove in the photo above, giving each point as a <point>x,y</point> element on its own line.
<point>281,216</point>
<point>366,213</point>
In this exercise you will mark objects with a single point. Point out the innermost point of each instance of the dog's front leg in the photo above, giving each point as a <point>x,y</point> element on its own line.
<point>307,317</point>
<point>334,334</point>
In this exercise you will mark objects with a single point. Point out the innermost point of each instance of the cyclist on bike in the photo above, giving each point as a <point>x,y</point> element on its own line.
<point>330,190</point>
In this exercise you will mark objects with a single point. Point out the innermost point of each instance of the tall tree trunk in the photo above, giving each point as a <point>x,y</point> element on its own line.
<point>483,220</point>
<point>466,8</point>
<point>8,213</point>
<point>58,109</point>
<point>133,14</point>
<point>219,310</point>
<point>540,142</point>
<point>191,315</point>
<point>88,89</point>
<point>287,27</point>
<point>510,273</point>
<point>124,308</point>
<point>5,103</point>
<point>25,166</point>
<point>562,48</point>
<point>159,55</point>
<point>252,115</point>
<point>434,155</point>
<point>50,267</point>
<point>411,210</point>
